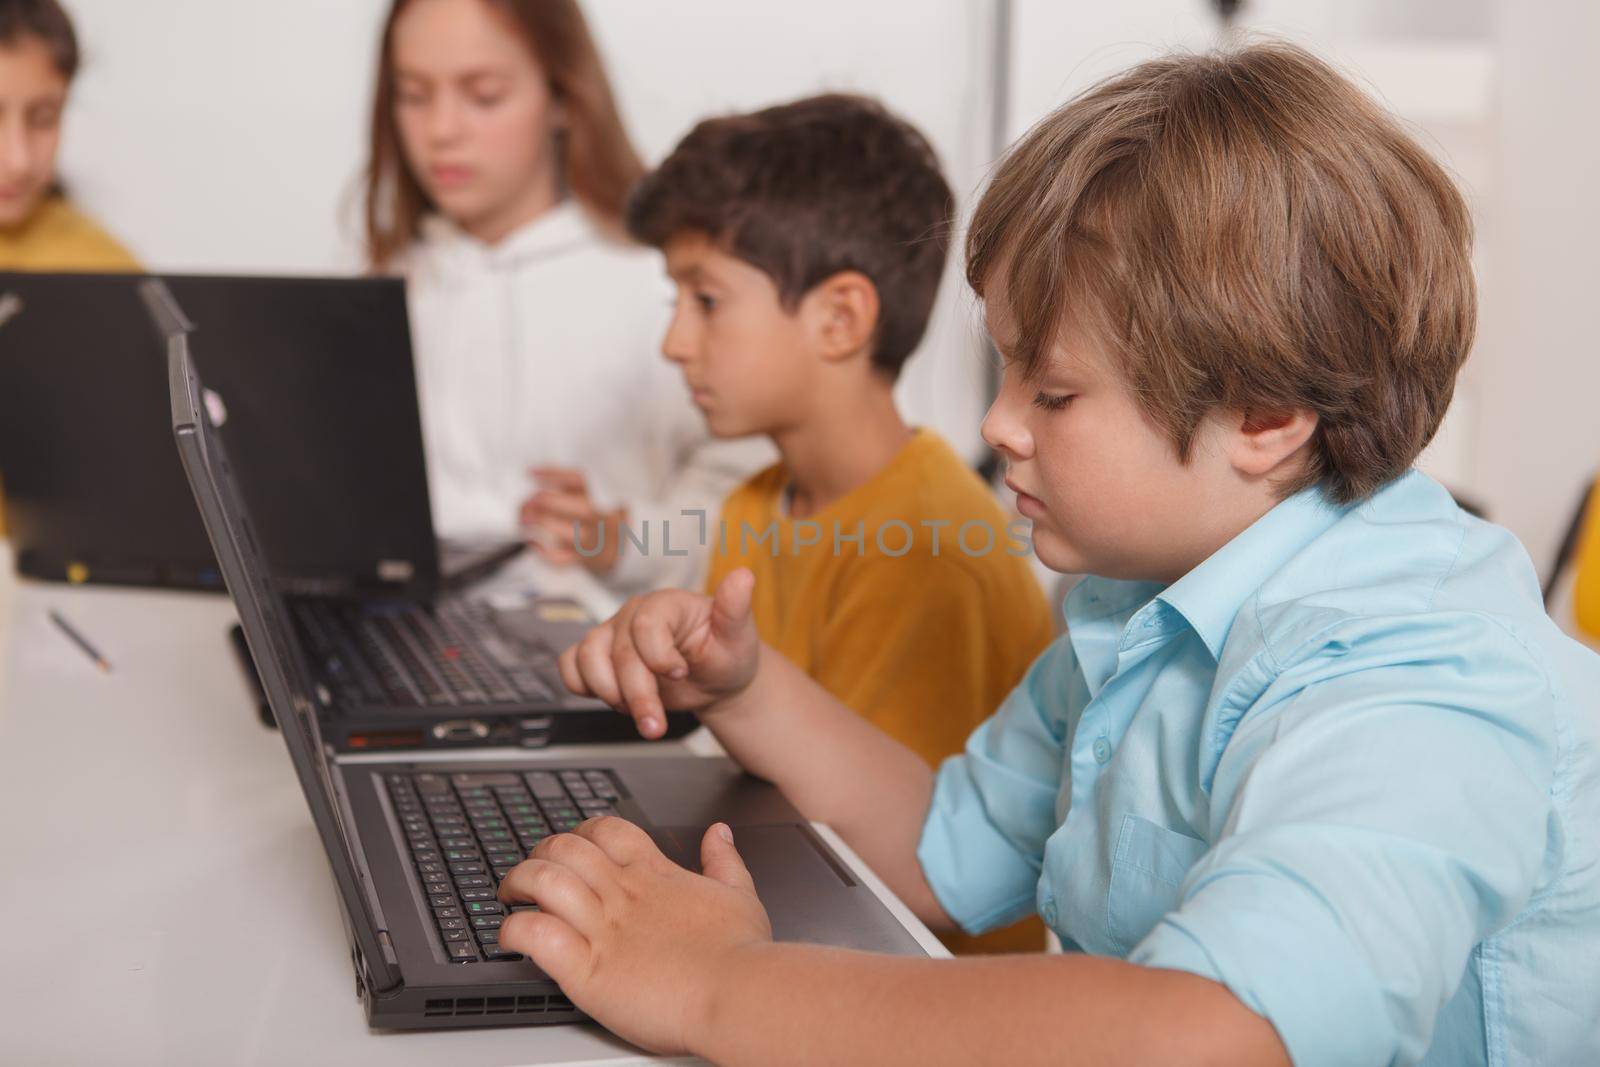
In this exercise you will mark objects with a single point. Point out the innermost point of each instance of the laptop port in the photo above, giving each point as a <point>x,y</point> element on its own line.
<point>386,739</point>
<point>458,730</point>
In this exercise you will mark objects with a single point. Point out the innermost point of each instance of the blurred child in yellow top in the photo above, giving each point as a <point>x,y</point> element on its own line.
<point>39,228</point>
<point>807,242</point>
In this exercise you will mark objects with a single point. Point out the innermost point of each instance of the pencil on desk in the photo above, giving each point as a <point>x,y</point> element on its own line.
<point>81,641</point>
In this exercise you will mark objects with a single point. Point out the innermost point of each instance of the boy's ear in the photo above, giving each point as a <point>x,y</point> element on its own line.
<point>841,313</point>
<point>1264,440</point>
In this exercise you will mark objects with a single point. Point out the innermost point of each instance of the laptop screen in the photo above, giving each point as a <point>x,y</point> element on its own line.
<point>313,384</point>
<point>283,673</point>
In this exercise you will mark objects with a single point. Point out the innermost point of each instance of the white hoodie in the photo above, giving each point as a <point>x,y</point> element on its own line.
<point>544,350</point>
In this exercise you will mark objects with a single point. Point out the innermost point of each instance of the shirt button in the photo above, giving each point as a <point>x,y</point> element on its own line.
<point>1102,750</point>
<point>1048,912</point>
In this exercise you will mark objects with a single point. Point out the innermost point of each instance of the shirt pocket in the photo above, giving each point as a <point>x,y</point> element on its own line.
<point>1149,864</point>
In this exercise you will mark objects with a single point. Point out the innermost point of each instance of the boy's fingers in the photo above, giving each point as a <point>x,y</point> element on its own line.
<point>619,839</point>
<point>556,888</point>
<point>656,640</point>
<point>730,608</point>
<point>551,943</point>
<point>571,676</point>
<point>721,862</point>
<point>583,857</point>
<point>641,694</point>
<point>594,664</point>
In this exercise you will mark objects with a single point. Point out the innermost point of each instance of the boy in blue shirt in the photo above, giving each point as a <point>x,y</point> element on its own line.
<point>1311,777</point>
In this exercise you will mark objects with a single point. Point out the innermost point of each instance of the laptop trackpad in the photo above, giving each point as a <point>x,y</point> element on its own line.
<point>807,897</point>
<point>783,857</point>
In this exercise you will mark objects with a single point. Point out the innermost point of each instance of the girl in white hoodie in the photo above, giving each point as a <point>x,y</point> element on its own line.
<point>498,170</point>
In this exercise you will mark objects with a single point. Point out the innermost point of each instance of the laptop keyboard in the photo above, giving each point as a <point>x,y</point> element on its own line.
<point>405,655</point>
<point>467,831</point>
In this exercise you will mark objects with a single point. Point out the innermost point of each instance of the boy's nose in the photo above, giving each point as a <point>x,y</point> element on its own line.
<point>1004,432</point>
<point>676,344</point>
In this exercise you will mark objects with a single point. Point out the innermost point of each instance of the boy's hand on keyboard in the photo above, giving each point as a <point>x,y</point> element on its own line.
<point>632,938</point>
<point>669,649</point>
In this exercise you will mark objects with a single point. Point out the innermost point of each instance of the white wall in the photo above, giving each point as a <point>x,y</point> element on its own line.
<point>1540,397</point>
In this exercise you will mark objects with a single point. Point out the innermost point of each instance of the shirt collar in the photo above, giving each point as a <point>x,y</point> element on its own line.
<point>1210,596</point>
<point>558,230</point>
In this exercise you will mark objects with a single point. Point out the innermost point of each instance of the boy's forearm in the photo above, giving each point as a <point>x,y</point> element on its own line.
<point>836,768</point>
<point>802,1004</point>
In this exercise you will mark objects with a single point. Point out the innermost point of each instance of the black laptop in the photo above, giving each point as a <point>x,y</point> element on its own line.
<point>311,380</point>
<point>392,670</point>
<point>418,849</point>
<point>313,384</point>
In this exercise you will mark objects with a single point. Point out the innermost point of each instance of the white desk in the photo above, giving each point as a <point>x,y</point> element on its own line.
<point>167,900</point>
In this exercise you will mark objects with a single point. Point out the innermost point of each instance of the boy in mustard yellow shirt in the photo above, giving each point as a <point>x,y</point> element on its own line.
<point>807,242</point>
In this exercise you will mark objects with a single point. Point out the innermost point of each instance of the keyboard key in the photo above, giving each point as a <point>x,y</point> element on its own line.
<point>481,922</point>
<point>487,937</point>
<point>466,868</point>
<point>436,878</point>
<point>459,855</point>
<point>454,935</point>
<point>490,907</point>
<point>489,779</point>
<point>545,785</point>
<point>461,951</point>
<point>452,924</point>
<point>474,881</point>
<point>448,912</point>
<point>433,868</point>
<point>442,900</point>
<point>470,895</point>
<point>496,954</point>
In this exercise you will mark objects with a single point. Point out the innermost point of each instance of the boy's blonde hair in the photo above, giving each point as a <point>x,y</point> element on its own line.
<point>1243,230</point>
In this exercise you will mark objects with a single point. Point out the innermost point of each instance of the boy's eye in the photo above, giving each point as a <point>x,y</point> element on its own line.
<point>487,99</point>
<point>707,302</point>
<point>1051,402</point>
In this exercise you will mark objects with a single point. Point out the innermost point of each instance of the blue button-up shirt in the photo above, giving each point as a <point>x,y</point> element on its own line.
<point>1346,767</point>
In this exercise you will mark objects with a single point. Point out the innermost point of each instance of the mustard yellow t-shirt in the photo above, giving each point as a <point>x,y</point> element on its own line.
<point>914,606</point>
<point>1586,588</point>
<point>59,237</point>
